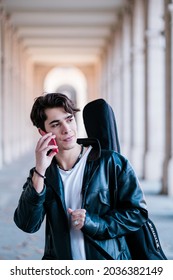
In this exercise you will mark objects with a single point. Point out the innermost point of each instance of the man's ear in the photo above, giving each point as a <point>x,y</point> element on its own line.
<point>41,131</point>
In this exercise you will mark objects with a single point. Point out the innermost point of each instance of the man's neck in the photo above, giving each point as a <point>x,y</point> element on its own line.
<point>67,159</point>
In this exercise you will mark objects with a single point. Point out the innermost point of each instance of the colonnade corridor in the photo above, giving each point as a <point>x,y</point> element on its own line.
<point>117,50</point>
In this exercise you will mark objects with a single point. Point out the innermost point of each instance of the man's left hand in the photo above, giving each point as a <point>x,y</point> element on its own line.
<point>77,218</point>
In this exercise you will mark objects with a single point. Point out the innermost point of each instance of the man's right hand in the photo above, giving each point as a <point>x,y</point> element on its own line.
<point>43,160</point>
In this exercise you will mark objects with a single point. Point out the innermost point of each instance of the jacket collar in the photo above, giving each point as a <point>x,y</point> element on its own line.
<point>53,179</point>
<point>96,151</point>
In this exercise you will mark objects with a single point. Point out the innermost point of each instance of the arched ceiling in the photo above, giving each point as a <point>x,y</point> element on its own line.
<point>64,31</point>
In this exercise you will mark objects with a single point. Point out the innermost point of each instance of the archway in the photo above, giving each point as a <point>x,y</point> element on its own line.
<point>72,82</point>
<point>68,90</point>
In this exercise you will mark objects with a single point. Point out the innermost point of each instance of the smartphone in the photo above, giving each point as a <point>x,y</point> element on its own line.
<point>52,141</point>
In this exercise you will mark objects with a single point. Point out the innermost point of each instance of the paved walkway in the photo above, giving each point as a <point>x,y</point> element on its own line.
<point>16,245</point>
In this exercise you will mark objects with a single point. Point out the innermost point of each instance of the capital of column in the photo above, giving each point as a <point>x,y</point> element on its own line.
<point>153,33</point>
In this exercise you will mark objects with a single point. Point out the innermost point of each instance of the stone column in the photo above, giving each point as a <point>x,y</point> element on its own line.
<point>155,90</point>
<point>170,163</point>
<point>109,54</point>
<point>29,85</point>
<point>138,86</point>
<point>126,83</point>
<point>116,96</point>
<point>104,75</point>
<point>15,112</point>
<point>1,82</point>
<point>6,93</point>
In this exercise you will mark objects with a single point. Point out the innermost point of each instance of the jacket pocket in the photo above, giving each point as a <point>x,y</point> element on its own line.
<point>104,197</point>
<point>98,202</point>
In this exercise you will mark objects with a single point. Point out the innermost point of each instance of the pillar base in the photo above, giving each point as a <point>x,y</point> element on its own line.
<point>153,169</point>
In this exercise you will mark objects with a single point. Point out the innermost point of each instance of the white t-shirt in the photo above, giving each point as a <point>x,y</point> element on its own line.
<point>72,181</point>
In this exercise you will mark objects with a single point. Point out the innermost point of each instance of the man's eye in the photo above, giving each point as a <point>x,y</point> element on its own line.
<point>70,119</point>
<point>54,125</point>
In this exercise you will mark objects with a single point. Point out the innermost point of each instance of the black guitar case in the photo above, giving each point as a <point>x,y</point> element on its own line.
<point>99,121</point>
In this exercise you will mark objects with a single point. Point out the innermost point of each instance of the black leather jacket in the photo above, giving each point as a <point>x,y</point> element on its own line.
<point>113,200</point>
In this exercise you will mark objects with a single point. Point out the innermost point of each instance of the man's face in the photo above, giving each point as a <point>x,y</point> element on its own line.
<point>63,125</point>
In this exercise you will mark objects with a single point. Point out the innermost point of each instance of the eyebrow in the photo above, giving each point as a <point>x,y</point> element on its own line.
<point>57,121</point>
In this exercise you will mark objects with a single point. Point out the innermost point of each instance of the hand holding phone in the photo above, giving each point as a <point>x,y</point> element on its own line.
<point>52,141</point>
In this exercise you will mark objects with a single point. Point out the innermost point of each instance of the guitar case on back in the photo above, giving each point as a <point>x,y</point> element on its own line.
<point>100,123</point>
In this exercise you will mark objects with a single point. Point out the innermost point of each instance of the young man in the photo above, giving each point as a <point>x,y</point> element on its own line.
<point>91,197</point>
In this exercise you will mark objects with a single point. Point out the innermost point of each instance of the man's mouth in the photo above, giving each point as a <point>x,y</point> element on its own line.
<point>68,139</point>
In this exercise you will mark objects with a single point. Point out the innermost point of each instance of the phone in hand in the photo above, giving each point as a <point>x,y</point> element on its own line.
<point>52,142</point>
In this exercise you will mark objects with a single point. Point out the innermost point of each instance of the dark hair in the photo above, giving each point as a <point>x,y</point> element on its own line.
<point>50,100</point>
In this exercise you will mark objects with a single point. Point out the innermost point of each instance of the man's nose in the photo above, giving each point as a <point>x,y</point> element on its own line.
<point>65,128</point>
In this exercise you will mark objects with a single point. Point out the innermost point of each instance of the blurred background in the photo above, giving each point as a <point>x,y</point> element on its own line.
<point>119,50</point>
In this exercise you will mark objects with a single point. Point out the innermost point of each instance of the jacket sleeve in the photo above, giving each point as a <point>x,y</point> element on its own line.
<point>30,211</point>
<point>129,208</point>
